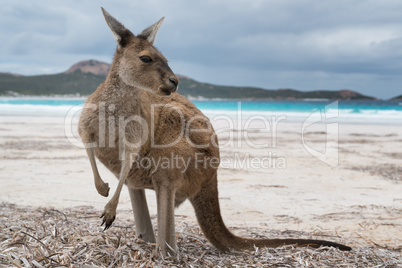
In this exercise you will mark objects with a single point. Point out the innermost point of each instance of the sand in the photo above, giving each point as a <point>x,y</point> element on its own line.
<point>359,198</point>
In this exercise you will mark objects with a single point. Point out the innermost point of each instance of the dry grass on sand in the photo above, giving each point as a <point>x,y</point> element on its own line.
<point>46,237</point>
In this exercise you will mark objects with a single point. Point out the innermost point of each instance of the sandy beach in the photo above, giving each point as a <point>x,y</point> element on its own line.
<point>292,190</point>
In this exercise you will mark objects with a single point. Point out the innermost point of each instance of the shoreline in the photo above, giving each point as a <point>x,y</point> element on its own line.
<point>45,97</point>
<point>192,98</point>
<point>244,116</point>
<point>292,120</point>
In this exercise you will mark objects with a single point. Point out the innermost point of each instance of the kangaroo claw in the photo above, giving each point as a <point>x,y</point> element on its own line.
<point>107,220</point>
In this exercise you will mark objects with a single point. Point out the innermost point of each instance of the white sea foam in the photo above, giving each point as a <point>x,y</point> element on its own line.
<point>34,110</point>
<point>357,115</point>
<point>343,115</point>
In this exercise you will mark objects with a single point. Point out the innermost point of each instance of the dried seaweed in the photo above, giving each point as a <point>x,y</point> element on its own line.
<point>46,237</point>
<point>387,171</point>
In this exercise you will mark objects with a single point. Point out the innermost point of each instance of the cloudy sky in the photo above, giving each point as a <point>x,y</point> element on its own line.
<point>305,45</point>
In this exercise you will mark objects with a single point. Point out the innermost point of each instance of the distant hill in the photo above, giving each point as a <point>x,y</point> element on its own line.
<point>192,88</point>
<point>76,83</point>
<point>90,66</point>
<point>84,77</point>
<point>397,98</point>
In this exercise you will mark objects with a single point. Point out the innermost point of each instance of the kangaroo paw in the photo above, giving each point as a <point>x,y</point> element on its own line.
<point>108,216</point>
<point>103,189</point>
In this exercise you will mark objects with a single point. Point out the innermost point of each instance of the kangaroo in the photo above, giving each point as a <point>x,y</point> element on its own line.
<point>147,123</point>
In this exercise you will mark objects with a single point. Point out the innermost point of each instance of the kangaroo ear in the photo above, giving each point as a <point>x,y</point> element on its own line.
<point>120,32</point>
<point>150,33</point>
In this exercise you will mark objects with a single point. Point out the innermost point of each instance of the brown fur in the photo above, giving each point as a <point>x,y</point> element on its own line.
<point>134,87</point>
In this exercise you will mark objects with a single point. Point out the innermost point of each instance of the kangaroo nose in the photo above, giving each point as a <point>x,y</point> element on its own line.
<point>174,81</point>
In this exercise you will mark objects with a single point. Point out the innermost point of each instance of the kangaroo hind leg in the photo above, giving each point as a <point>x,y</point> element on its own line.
<point>166,238</point>
<point>143,224</point>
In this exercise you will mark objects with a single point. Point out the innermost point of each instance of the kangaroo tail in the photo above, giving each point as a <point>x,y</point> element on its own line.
<point>206,205</point>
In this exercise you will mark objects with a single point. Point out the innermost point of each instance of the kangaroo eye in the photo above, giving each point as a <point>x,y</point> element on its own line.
<point>145,59</point>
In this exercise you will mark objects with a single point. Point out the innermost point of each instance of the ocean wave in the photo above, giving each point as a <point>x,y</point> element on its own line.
<point>35,110</point>
<point>343,115</point>
<point>354,114</point>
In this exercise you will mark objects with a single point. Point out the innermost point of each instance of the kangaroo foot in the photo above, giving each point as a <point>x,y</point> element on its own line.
<point>160,251</point>
<point>102,188</point>
<point>108,216</point>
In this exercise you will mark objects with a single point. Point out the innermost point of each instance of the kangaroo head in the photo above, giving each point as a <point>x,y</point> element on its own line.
<point>137,62</point>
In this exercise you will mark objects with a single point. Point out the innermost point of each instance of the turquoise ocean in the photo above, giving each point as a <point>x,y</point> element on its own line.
<point>356,112</point>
